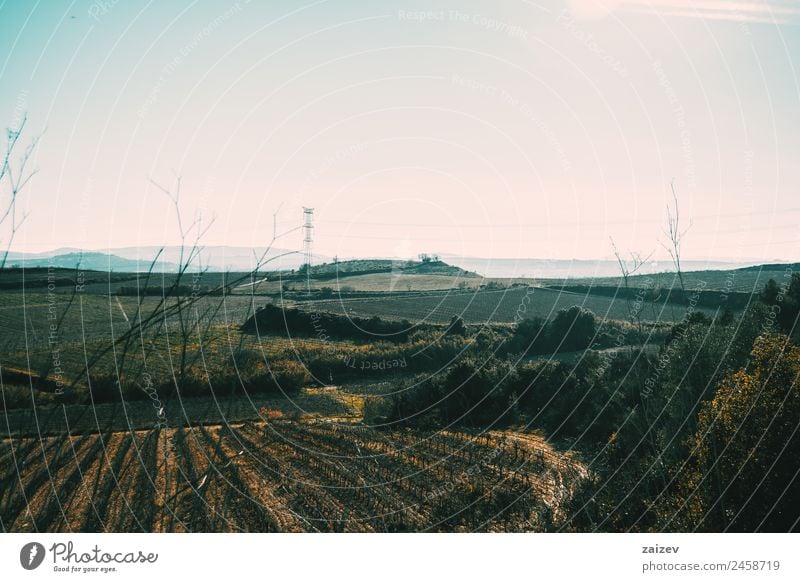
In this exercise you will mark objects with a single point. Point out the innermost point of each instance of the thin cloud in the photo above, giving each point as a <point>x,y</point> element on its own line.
<point>771,11</point>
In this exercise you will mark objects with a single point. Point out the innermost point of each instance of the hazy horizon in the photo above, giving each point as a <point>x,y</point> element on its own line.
<point>242,259</point>
<point>146,251</point>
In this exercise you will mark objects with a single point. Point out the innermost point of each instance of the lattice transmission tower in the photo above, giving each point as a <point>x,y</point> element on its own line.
<point>308,239</point>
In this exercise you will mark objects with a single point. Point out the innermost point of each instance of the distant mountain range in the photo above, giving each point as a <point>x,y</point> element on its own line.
<point>243,259</point>
<point>91,261</point>
<point>167,259</point>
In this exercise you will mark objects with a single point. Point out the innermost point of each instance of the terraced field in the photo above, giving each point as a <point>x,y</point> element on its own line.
<point>284,476</point>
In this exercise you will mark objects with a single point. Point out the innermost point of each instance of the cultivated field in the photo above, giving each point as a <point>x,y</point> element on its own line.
<point>489,306</point>
<point>380,282</point>
<point>285,477</point>
<point>25,318</point>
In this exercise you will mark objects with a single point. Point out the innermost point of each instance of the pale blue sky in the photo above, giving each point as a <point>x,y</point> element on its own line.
<point>507,129</point>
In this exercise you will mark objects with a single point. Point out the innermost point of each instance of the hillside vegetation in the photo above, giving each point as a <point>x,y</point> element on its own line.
<point>491,409</point>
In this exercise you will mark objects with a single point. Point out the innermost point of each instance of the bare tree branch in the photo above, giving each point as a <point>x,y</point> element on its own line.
<point>17,178</point>
<point>628,270</point>
<point>675,235</point>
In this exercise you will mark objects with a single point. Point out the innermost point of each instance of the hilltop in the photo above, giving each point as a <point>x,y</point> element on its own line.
<point>372,275</point>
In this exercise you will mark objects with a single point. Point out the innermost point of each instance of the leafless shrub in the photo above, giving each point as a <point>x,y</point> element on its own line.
<point>675,235</point>
<point>14,176</point>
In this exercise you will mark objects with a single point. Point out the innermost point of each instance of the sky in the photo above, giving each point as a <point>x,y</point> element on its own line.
<point>541,128</point>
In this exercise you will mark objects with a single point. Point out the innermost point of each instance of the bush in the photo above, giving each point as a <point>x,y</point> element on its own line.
<point>289,322</point>
<point>255,376</point>
<point>784,304</point>
<point>530,336</point>
<point>456,327</point>
<point>471,393</point>
<point>742,473</point>
<point>652,417</point>
<point>572,329</point>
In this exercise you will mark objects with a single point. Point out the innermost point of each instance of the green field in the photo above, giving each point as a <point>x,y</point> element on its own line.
<point>500,306</point>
